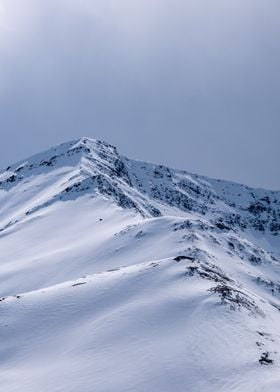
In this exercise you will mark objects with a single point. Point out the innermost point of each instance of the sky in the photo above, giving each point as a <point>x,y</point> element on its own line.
<point>192,84</point>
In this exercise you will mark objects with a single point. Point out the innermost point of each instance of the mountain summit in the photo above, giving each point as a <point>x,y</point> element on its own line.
<point>88,166</point>
<point>122,275</point>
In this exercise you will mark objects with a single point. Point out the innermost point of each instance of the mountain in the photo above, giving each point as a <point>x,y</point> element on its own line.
<point>120,275</point>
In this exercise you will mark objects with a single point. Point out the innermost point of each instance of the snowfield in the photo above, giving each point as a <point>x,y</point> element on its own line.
<point>119,275</point>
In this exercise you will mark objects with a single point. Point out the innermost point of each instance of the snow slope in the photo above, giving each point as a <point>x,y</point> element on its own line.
<point>119,275</point>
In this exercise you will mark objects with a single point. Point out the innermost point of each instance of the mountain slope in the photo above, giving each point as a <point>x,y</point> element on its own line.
<point>119,275</point>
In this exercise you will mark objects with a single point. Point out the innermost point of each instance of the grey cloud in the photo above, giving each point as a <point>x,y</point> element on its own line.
<point>192,84</point>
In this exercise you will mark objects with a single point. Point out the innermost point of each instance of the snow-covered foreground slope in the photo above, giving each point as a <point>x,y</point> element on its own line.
<point>148,327</point>
<point>118,275</point>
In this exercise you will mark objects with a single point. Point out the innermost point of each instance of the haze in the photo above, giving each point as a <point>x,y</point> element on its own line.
<point>190,84</point>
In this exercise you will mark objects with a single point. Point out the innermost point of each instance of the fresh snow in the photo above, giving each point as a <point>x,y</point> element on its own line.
<point>120,275</point>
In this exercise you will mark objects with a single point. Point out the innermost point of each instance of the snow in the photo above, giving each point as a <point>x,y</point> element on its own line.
<point>95,298</point>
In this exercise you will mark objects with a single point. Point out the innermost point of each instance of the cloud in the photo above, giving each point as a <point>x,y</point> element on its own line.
<point>190,83</point>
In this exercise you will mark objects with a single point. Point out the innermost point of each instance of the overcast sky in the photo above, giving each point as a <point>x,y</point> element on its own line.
<point>194,84</point>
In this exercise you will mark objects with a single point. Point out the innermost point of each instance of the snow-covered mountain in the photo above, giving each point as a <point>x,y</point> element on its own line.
<point>120,275</point>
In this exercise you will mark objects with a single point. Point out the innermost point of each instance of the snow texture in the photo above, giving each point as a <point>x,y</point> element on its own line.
<point>120,275</point>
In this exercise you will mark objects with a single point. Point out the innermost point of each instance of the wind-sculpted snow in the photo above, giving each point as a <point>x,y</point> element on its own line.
<point>120,275</point>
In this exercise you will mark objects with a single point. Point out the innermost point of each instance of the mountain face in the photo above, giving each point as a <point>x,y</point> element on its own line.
<point>120,275</point>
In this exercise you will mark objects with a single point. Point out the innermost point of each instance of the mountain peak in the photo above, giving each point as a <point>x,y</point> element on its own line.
<point>66,154</point>
<point>91,144</point>
<point>93,243</point>
<point>94,168</point>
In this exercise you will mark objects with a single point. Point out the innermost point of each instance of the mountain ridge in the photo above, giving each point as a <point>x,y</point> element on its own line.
<point>130,276</point>
<point>97,166</point>
<point>104,143</point>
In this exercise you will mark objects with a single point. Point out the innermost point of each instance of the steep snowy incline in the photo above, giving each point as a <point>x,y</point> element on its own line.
<point>128,276</point>
<point>70,202</point>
